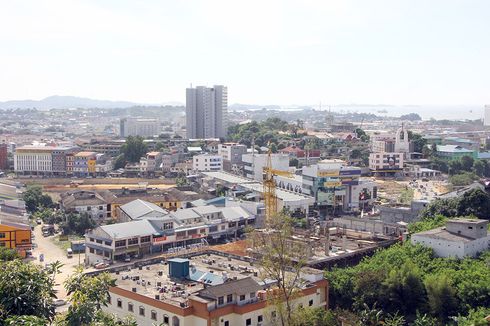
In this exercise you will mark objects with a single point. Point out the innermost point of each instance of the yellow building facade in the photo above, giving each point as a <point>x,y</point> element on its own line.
<point>15,236</point>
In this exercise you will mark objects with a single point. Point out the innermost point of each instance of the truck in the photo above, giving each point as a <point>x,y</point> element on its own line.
<point>47,229</point>
<point>69,253</point>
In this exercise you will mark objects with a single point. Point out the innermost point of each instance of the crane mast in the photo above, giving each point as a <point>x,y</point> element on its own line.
<point>269,185</point>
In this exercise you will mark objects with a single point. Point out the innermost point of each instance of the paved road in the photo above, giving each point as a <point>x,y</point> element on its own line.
<point>53,253</point>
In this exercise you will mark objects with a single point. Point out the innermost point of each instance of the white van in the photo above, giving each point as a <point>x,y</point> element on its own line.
<point>69,253</point>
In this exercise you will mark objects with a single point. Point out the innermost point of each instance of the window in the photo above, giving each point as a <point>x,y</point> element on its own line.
<point>91,250</point>
<point>98,241</point>
<point>153,315</point>
<point>168,226</point>
<point>229,298</point>
<point>310,303</point>
<point>120,243</point>
<point>252,294</point>
<point>119,303</point>
<point>108,243</point>
<point>165,319</point>
<point>130,307</point>
<point>92,240</point>
<point>242,297</point>
<point>221,300</point>
<point>101,208</point>
<point>273,315</point>
<point>2,244</point>
<point>175,321</point>
<point>145,239</point>
<point>142,311</point>
<point>260,318</point>
<point>89,208</point>
<point>248,322</point>
<point>227,323</point>
<point>470,227</point>
<point>132,241</point>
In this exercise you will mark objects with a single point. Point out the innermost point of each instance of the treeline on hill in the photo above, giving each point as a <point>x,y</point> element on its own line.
<point>264,131</point>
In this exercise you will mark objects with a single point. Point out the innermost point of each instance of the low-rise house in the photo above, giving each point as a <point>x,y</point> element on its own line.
<point>459,238</point>
<point>95,204</point>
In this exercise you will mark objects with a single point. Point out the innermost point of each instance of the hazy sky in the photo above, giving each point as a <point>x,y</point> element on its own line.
<point>266,52</point>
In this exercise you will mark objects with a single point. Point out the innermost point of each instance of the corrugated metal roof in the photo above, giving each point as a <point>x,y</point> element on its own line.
<point>129,229</point>
<point>139,208</point>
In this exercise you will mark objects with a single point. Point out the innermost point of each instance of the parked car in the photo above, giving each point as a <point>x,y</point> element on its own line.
<point>101,265</point>
<point>39,221</point>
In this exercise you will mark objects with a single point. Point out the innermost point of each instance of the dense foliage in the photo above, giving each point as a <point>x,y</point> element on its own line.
<point>463,179</point>
<point>133,149</point>
<point>35,199</point>
<point>25,289</point>
<point>475,202</point>
<point>262,132</point>
<point>409,280</point>
<point>77,224</point>
<point>7,254</point>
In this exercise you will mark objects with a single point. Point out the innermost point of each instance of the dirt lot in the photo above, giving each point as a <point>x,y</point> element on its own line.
<point>64,184</point>
<point>237,248</point>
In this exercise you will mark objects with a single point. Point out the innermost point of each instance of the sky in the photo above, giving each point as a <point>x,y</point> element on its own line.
<point>301,52</point>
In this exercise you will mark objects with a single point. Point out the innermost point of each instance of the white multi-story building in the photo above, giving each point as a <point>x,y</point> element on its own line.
<point>232,152</point>
<point>197,294</point>
<point>206,112</point>
<point>486,116</point>
<point>207,162</point>
<point>41,159</point>
<point>459,238</point>
<point>144,127</point>
<point>254,164</point>
<point>151,162</point>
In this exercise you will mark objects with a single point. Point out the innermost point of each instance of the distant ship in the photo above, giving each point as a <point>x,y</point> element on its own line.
<point>382,111</point>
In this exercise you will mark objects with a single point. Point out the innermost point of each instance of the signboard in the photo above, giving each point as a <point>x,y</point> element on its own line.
<point>159,240</point>
<point>331,184</point>
<point>334,173</point>
<point>354,172</point>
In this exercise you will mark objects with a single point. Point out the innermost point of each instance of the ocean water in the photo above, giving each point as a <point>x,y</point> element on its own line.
<point>460,112</point>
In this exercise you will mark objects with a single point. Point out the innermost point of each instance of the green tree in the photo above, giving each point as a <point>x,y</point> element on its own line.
<point>418,141</point>
<point>7,254</point>
<point>282,260</point>
<point>424,320</point>
<point>480,167</point>
<point>404,290</point>
<point>26,321</point>
<point>35,199</point>
<point>134,148</point>
<point>467,163</point>
<point>120,162</point>
<point>294,162</point>
<point>25,290</point>
<point>475,317</point>
<point>463,179</point>
<point>88,294</point>
<point>441,297</point>
<point>77,223</point>
<point>355,153</point>
<point>314,317</point>
<point>455,167</point>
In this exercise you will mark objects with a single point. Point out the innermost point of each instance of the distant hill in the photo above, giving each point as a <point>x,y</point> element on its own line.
<point>66,102</point>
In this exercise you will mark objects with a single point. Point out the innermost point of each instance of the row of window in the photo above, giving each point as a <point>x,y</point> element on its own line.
<point>153,313</point>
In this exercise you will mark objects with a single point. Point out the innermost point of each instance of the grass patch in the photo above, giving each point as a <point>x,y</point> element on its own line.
<point>65,244</point>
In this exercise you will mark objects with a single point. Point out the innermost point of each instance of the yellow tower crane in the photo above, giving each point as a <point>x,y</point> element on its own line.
<point>270,197</point>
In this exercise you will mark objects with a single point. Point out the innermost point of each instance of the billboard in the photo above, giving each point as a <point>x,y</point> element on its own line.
<point>332,173</point>
<point>353,172</point>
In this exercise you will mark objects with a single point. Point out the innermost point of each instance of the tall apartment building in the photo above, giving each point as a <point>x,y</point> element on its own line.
<point>486,116</point>
<point>144,127</point>
<point>207,162</point>
<point>207,112</point>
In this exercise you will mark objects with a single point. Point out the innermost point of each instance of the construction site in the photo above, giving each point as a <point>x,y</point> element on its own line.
<point>325,247</point>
